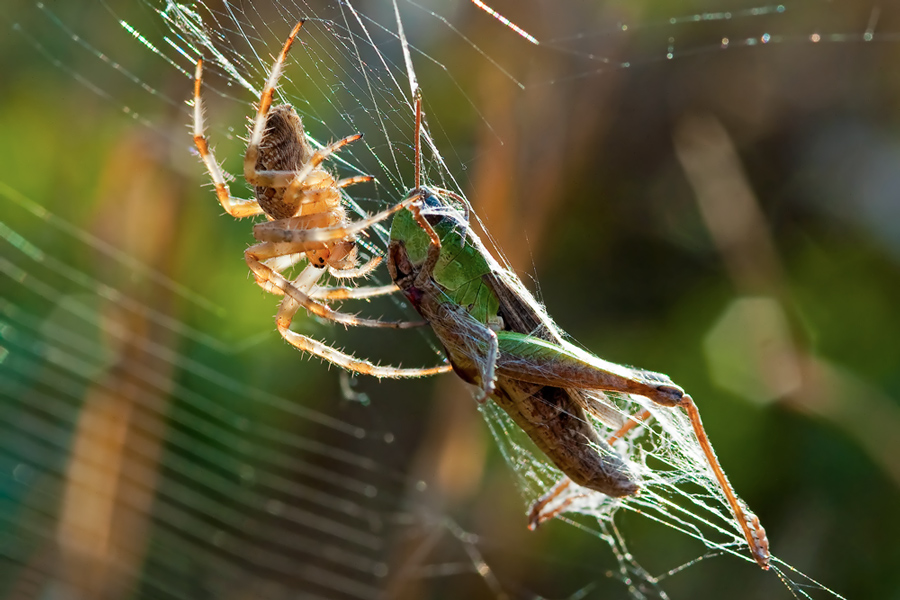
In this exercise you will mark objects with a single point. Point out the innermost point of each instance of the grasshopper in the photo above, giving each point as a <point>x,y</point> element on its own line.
<point>498,338</point>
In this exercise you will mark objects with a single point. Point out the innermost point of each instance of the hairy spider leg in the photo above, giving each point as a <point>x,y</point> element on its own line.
<point>286,312</point>
<point>276,231</point>
<point>239,207</point>
<point>282,263</point>
<point>330,294</point>
<point>259,123</point>
<point>537,516</point>
<point>298,185</point>
<point>418,139</point>
<point>358,293</point>
<point>342,183</point>
<point>236,207</point>
<point>293,180</point>
<point>275,283</point>
<point>288,309</point>
<point>361,271</point>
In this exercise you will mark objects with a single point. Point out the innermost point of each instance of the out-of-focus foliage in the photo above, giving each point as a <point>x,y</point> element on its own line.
<point>729,217</point>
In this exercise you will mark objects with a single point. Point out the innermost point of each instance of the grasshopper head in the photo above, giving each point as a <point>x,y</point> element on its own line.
<point>410,244</point>
<point>447,220</point>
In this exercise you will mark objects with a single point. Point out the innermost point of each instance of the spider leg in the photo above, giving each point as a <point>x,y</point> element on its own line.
<point>362,271</point>
<point>269,232</point>
<point>281,263</point>
<point>274,282</point>
<point>304,282</point>
<point>331,293</point>
<point>286,312</point>
<point>265,102</point>
<point>296,184</point>
<point>318,193</point>
<point>347,293</point>
<point>434,247</point>
<point>341,183</point>
<point>280,178</point>
<point>236,207</point>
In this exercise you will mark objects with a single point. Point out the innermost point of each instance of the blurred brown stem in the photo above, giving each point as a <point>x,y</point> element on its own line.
<point>739,230</point>
<point>110,484</point>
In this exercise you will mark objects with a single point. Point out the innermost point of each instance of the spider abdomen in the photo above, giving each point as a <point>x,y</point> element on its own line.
<point>283,147</point>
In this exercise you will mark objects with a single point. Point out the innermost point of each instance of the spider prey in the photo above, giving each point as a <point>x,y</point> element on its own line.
<point>494,333</point>
<point>306,219</point>
<point>499,338</point>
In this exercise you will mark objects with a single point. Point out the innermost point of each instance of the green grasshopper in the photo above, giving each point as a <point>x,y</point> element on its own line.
<point>499,338</point>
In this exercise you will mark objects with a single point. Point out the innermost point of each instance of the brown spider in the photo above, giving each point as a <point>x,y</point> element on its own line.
<point>306,219</point>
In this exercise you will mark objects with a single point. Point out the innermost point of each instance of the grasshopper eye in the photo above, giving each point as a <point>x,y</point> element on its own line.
<point>438,212</point>
<point>430,199</point>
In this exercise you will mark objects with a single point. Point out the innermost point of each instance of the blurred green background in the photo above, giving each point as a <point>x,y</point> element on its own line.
<point>728,216</point>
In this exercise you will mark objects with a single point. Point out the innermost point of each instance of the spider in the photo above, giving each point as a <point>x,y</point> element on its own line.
<point>302,202</point>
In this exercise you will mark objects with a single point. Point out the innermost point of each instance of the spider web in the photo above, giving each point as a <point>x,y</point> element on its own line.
<point>183,461</point>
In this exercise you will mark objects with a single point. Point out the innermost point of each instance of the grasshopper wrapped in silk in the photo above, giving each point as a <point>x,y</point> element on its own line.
<point>498,338</point>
